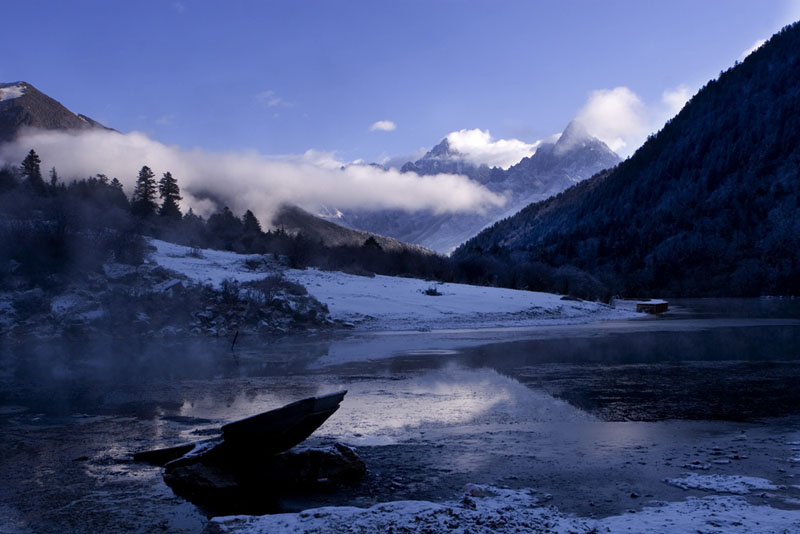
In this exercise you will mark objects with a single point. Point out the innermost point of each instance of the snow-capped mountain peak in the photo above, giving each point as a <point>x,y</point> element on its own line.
<point>574,135</point>
<point>22,105</point>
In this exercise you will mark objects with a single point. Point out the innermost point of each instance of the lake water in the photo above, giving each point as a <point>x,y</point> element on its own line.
<point>619,404</point>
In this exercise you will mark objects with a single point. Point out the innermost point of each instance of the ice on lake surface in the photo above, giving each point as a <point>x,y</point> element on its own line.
<point>578,417</point>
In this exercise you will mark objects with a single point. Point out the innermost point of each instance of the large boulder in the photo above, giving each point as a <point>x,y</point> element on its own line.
<point>231,484</point>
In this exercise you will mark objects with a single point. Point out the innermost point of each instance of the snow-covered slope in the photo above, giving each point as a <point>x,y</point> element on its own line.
<point>392,303</point>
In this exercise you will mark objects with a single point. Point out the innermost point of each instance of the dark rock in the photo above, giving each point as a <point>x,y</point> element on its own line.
<point>230,484</point>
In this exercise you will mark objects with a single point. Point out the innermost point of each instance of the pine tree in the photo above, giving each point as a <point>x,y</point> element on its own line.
<point>251,224</point>
<point>170,194</point>
<point>31,170</point>
<point>226,227</point>
<point>53,178</point>
<point>143,201</point>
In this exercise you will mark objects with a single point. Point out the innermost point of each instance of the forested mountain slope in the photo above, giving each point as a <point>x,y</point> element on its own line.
<point>708,206</point>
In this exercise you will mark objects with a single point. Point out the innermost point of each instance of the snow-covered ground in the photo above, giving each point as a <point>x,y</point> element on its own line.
<point>486,509</point>
<point>393,303</point>
<point>739,485</point>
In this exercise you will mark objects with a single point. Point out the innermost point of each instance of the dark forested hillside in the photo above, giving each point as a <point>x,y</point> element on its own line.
<point>708,206</point>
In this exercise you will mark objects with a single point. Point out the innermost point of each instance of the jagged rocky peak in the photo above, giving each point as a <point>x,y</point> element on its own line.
<point>443,158</point>
<point>577,138</point>
<point>22,105</point>
<point>442,150</point>
<point>573,135</point>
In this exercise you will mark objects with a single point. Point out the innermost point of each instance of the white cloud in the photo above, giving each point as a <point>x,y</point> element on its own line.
<point>478,147</point>
<point>621,119</point>
<point>758,44</point>
<point>248,180</point>
<point>675,99</point>
<point>270,99</point>
<point>383,126</point>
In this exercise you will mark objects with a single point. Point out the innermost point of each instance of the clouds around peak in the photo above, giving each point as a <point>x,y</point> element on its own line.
<point>478,147</point>
<point>383,126</point>
<point>248,180</point>
<point>623,120</point>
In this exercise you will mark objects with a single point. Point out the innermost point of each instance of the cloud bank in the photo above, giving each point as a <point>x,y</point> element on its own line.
<point>383,126</point>
<point>478,147</point>
<point>621,119</point>
<point>248,180</point>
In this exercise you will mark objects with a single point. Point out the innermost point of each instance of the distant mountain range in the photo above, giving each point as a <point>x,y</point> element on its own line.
<point>709,206</point>
<point>22,105</point>
<point>554,166</point>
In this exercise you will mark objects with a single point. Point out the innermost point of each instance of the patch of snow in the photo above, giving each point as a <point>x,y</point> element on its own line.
<point>740,485</point>
<point>486,509</point>
<point>11,91</point>
<point>212,267</point>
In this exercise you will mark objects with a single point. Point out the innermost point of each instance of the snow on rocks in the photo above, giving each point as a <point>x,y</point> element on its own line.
<point>394,303</point>
<point>737,484</point>
<point>486,509</point>
<point>9,92</point>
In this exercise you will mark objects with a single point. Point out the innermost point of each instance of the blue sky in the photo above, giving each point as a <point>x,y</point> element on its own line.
<point>284,77</point>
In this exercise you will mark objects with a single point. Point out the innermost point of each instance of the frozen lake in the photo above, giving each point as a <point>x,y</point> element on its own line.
<point>583,416</point>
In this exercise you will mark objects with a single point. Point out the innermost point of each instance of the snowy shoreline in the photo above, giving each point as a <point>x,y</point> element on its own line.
<point>393,303</point>
<point>487,509</point>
